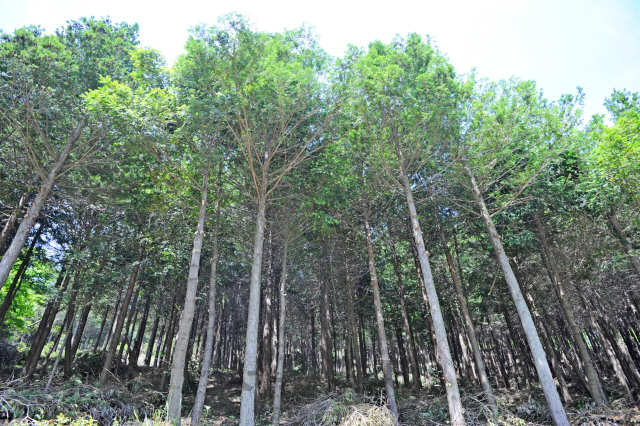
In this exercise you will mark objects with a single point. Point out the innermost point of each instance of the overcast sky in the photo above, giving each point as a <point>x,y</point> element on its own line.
<point>560,44</point>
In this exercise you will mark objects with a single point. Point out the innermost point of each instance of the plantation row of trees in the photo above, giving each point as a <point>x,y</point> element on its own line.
<point>261,206</point>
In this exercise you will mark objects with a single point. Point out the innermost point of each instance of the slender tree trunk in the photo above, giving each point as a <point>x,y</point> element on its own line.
<point>137,347</point>
<point>168,346</point>
<point>277,396</point>
<point>102,324</point>
<point>44,328</point>
<point>127,328</point>
<point>544,373</point>
<point>196,413</point>
<point>382,336</point>
<point>265,381</point>
<point>415,369</point>
<point>11,255</point>
<point>115,339</point>
<point>218,339</point>
<point>249,376</point>
<point>17,280</point>
<point>449,373</point>
<point>617,231</point>
<point>63,347</point>
<point>71,315</point>
<point>13,219</point>
<point>351,324</point>
<point>468,322</point>
<point>174,399</point>
<point>522,355</point>
<point>107,340</point>
<point>593,381</point>
<point>80,330</point>
<point>326,341</point>
<point>453,394</point>
<point>154,333</point>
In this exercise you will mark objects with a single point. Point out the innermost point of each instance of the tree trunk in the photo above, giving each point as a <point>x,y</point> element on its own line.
<point>11,255</point>
<point>617,231</point>
<point>415,369</point>
<point>127,328</point>
<point>102,324</point>
<point>280,368</point>
<point>249,376</point>
<point>115,339</point>
<point>116,308</point>
<point>154,333</point>
<point>69,331</point>
<point>80,330</point>
<point>351,324</point>
<point>167,348</point>
<point>468,322</point>
<point>326,341</point>
<point>520,350</point>
<point>449,373</point>
<point>135,353</point>
<point>174,399</point>
<point>265,380</point>
<point>196,413</point>
<point>44,328</point>
<point>218,339</point>
<point>13,219</point>
<point>17,280</point>
<point>542,366</point>
<point>593,381</point>
<point>382,336</point>
<point>71,315</point>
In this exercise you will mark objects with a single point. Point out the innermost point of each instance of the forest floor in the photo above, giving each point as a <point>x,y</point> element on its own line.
<point>137,402</point>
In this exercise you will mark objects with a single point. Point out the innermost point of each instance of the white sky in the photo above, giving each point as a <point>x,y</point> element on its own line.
<point>561,44</point>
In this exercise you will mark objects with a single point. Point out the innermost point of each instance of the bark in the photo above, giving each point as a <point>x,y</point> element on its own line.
<point>468,322</point>
<point>196,413</point>
<point>558,414</point>
<point>80,330</point>
<point>13,220</point>
<point>265,380</point>
<point>218,339</point>
<point>382,336</point>
<point>352,332</point>
<point>69,331</point>
<point>70,318</point>
<point>128,327</point>
<point>593,381</point>
<point>548,344</point>
<point>280,367</point>
<point>46,323</point>
<point>17,280</point>
<point>313,342</point>
<point>102,324</point>
<point>135,352</point>
<point>628,248</point>
<point>174,400</point>
<point>326,341</point>
<point>249,376</point>
<point>415,369</point>
<point>608,347</point>
<point>522,355</point>
<point>449,373</point>
<point>168,345</point>
<point>115,339</point>
<point>154,333</point>
<point>11,255</point>
<point>107,340</point>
